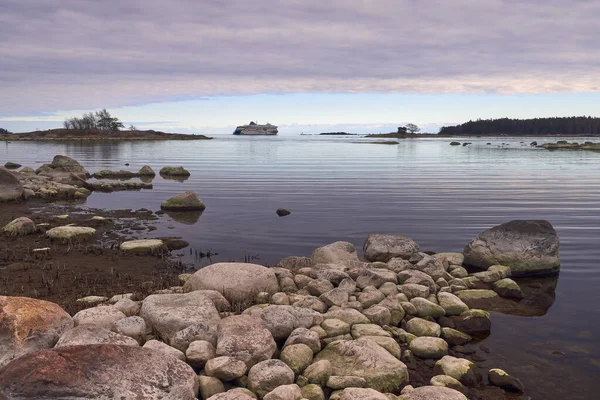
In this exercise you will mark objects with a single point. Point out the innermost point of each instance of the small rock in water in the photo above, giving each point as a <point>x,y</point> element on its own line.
<point>12,165</point>
<point>282,212</point>
<point>127,164</point>
<point>507,382</point>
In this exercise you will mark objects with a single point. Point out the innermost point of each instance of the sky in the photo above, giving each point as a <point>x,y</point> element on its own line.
<point>308,66</point>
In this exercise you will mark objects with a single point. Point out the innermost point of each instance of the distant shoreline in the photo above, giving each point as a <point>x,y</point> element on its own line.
<point>436,135</point>
<point>59,135</point>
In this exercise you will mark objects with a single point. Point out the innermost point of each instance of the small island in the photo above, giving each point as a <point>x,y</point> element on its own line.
<point>94,134</point>
<point>99,125</point>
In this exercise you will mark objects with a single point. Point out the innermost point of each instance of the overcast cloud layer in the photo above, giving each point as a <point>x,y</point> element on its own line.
<point>83,54</point>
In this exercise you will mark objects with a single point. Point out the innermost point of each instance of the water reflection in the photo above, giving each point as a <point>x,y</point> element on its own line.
<point>185,217</point>
<point>175,178</point>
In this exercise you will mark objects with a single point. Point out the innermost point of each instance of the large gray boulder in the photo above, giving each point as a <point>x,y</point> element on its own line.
<point>179,319</point>
<point>528,247</point>
<point>434,393</point>
<point>429,347</point>
<point>268,375</point>
<point>28,325</point>
<point>10,187</point>
<point>66,164</point>
<point>281,321</point>
<point>362,394</point>
<point>366,359</point>
<point>244,338</point>
<point>335,253</point>
<point>102,371</point>
<point>101,316</point>
<point>385,247</point>
<point>238,282</point>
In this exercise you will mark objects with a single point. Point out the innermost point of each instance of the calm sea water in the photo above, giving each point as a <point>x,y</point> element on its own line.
<point>347,187</point>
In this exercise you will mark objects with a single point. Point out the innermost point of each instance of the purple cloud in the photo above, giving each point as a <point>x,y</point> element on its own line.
<point>92,53</point>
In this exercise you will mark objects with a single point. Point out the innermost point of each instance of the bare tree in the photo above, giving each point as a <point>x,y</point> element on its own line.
<point>98,120</point>
<point>412,128</point>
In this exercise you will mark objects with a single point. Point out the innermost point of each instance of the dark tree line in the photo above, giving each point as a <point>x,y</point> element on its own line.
<point>4,131</point>
<point>530,127</point>
<point>101,120</point>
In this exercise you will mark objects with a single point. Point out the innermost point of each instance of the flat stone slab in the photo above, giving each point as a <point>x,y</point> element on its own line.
<point>142,245</point>
<point>70,232</point>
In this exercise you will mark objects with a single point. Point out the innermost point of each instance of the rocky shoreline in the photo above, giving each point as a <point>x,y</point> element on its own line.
<point>397,323</point>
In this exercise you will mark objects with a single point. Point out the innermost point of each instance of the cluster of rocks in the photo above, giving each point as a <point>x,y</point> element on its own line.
<point>329,326</point>
<point>64,178</point>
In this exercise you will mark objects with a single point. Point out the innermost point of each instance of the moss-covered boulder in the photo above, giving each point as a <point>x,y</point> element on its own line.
<point>146,170</point>
<point>19,227</point>
<point>12,165</point>
<point>429,347</point>
<point>297,357</point>
<point>460,369</point>
<point>366,359</point>
<point>174,171</point>
<point>188,201</point>
<point>27,170</point>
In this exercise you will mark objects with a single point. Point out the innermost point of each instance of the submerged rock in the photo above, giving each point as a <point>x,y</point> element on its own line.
<point>498,377</point>
<point>528,247</point>
<point>108,174</point>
